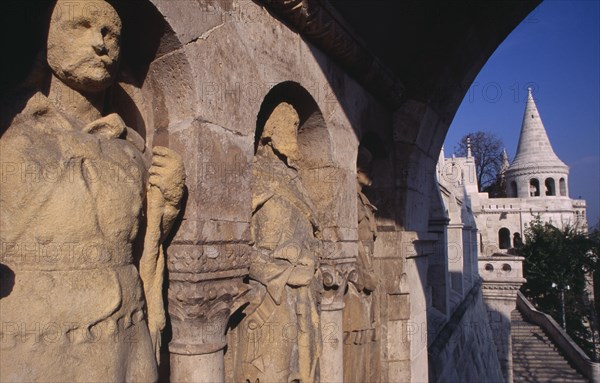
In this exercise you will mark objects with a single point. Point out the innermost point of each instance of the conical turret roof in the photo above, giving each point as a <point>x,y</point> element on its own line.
<point>534,150</point>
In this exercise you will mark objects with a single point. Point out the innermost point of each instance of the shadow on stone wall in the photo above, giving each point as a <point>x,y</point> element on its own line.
<point>463,349</point>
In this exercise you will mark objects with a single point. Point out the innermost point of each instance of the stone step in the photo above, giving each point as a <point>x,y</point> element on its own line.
<point>545,374</point>
<point>531,359</point>
<point>545,366</point>
<point>533,339</point>
<point>549,378</point>
<point>554,367</point>
<point>532,345</point>
<point>530,342</point>
<point>534,360</point>
<point>562,380</point>
<point>533,349</point>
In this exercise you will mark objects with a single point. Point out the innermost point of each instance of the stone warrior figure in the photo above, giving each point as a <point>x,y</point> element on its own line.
<point>82,218</point>
<point>358,322</point>
<point>279,339</point>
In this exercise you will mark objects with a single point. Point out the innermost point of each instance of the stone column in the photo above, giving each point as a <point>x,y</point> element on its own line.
<point>336,274</point>
<point>502,277</point>
<point>201,300</point>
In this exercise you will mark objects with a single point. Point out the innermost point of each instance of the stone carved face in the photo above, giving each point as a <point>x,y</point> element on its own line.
<point>83,44</point>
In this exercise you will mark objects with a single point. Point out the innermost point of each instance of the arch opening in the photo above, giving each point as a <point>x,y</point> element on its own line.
<point>563,187</point>
<point>550,187</point>
<point>534,188</point>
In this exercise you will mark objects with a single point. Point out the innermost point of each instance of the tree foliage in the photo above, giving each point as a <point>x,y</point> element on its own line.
<point>486,148</point>
<point>567,258</point>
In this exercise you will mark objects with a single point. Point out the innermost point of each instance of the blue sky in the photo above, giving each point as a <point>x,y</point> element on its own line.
<point>556,51</point>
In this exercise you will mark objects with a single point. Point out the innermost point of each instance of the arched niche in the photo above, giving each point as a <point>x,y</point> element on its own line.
<point>322,179</point>
<point>504,238</point>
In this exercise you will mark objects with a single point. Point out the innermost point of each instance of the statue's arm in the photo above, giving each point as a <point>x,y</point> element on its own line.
<point>165,191</point>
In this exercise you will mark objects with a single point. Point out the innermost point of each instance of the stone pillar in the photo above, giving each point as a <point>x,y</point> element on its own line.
<point>502,277</point>
<point>336,274</point>
<point>201,300</point>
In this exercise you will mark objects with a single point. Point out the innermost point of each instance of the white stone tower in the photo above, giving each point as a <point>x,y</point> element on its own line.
<point>536,170</point>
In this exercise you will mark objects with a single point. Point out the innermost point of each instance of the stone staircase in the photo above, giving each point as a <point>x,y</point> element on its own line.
<point>535,357</point>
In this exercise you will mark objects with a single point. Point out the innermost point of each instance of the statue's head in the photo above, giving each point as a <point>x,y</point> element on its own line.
<point>83,44</point>
<point>281,132</point>
<point>363,166</point>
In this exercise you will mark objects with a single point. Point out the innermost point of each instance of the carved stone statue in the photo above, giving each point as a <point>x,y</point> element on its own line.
<point>359,324</point>
<point>83,214</point>
<point>279,339</point>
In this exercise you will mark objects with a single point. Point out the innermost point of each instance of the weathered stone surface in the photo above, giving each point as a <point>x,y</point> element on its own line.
<point>169,93</point>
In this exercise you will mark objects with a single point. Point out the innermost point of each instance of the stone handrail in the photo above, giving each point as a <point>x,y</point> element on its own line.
<point>560,338</point>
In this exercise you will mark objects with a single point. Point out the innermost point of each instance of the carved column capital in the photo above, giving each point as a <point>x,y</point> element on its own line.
<point>200,309</point>
<point>336,275</point>
<point>205,287</point>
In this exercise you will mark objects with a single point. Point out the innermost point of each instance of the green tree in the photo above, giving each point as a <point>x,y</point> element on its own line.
<point>561,261</point>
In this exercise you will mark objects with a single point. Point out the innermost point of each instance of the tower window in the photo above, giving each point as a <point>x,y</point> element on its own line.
<point>534,188</point>
<point>550,187</point>
<point>562,184</point>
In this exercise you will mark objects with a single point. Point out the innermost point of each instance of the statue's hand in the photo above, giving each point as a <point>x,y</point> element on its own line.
<point>167,174</point>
